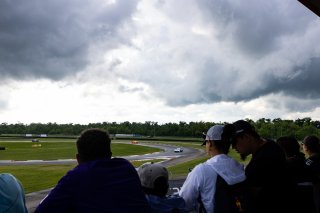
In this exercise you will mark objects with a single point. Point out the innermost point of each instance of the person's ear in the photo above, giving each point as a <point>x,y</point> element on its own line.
<point>78,158</point>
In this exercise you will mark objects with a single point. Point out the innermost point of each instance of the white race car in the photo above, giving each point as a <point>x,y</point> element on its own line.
<point>178,149</point>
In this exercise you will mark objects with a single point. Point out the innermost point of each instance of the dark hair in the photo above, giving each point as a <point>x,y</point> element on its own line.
<point>160,189</point>
<point>226,138</point>
<point>312,143</point>
<point>94,144</point>
<point>290,145</point>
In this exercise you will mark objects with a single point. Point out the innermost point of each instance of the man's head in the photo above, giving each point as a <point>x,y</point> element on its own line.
<point>245,138</point>
<point>154,179</point>
<point>219,137</point>
<point>93,144</point>
<point>311,144</point>
<point>290,146</point>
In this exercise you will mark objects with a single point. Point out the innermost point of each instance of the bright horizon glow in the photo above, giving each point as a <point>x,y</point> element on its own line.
<point>149,60</point>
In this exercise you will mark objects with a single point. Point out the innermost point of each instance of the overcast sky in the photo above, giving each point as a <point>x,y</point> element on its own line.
<point>85,61</point>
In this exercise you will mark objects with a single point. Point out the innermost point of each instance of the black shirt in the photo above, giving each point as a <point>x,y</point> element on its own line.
<point>268,179</point>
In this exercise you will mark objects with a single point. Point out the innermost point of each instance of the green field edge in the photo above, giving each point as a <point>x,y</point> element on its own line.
<point>40,177</point>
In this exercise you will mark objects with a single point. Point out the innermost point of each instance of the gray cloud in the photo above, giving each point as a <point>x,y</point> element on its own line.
<point>255,26</point>
<point>52,39</point>
<point>224,51</point>
<point>229,51</point>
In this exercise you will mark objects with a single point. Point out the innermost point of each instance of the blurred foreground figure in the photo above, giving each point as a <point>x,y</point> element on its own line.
<point>311,146</point>
<point>303,191</point>
<point>99,183</point>
<point>12,199</point>
<point>154,180</point>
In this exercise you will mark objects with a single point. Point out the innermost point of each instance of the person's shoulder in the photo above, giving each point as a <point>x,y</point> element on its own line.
<point>8,178</point>
<point>313,160</point>
<point>9,182</point>
<point>120,160</point>
<point>271,146</point>
<point>176,200</point>
<point>198,171</point>
<point>315,157</point>
<point>200,167</point>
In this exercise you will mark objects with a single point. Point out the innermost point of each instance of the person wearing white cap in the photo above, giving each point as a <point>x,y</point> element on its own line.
<point>199,189</point>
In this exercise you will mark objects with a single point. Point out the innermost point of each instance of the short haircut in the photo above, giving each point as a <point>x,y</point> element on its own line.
<point>290,145</point>
<point>94,144</point>
<point>312,143</point>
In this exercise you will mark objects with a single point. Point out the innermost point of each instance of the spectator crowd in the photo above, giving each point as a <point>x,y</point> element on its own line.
<point>281,176</point>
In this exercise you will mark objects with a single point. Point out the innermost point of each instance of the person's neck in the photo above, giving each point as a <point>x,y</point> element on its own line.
<point>214,152</point>
<point>259,143</point>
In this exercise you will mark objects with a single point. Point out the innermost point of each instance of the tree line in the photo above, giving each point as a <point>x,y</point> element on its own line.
<point>265,127</point>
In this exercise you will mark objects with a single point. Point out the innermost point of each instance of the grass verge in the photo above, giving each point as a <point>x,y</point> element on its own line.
<point>61,150</point>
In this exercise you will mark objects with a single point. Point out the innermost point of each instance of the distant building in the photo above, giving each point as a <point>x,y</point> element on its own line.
<point>124,135</point>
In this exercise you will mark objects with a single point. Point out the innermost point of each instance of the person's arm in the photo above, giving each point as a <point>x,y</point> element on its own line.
<point>190,190</point>
<point>59,199</point>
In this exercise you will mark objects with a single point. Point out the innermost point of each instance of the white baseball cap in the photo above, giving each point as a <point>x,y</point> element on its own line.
<point>214,133</point>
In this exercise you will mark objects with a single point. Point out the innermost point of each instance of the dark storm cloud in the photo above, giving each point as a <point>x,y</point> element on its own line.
<point>269,51</point>
<point>52,39</point>
<point>255,26</point>
<point>305,84</point>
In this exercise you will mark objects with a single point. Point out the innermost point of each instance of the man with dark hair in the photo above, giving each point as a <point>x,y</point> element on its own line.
<point>299,174</point>
<point>267,177</point>
<point>98,183</point>
<point>311,146</point>
<point>94,144</point>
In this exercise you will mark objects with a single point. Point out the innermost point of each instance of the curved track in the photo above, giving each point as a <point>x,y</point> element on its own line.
<point>169,156</point>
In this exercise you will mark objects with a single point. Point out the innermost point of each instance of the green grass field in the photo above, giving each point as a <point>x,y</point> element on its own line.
<point>39,177</point>
<point>61,150</point>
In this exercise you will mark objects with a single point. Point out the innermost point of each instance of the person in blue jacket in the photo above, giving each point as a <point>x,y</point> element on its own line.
<point>99,183</point>
<point>12,198</point>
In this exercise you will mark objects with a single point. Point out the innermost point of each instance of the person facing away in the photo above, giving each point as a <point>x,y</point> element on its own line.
<point>98,183</point>
<point>311,146</point>
<point>154,180</point>
<point>199,188</point>
<point>303,194</point>
<point>268,181</point>
<point>12,198</point>
<point>295,159</point>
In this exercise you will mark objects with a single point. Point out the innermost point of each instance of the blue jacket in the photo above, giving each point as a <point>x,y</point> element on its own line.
<point>12,199</point>
<point>166,204</point>
<point>107,185</point>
